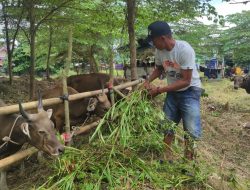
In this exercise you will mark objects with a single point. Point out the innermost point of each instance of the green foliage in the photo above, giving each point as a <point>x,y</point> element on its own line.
<point>125,154</point>
<point>99,26</point>
<point>230,43</point>
<point>236,38</point>
<point>21,59</point>
<point>203,38</point>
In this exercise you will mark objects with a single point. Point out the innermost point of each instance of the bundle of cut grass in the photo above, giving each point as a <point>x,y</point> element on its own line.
<point>124,153</point>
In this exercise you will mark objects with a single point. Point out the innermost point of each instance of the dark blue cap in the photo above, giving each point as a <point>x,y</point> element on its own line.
<point>158,28</point>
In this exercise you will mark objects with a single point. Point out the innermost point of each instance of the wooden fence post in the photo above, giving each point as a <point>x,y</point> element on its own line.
<point>65,89</point>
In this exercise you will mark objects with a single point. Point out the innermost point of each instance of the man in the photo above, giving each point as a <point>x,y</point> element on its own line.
<point>176,59</point>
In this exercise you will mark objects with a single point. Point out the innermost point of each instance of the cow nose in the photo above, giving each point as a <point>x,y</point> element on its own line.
<point>61,149</point>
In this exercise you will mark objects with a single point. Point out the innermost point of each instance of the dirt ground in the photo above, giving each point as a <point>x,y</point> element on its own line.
<point>225,144</point>
<point>20,89</point>
<point>226,137</point>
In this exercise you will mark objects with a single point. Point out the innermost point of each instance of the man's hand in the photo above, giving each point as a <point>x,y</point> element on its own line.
<point>147,85</point>
<point>154,91</point>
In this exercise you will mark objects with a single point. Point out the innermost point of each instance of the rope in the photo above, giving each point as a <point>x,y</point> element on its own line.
<point>7,139</point>
<point>64,97</point>
<point>75,128</point>
<point>67,137</point>
<point>92,102</point>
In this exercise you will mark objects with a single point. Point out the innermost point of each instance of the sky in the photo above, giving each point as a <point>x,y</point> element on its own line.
<point>225,8</point>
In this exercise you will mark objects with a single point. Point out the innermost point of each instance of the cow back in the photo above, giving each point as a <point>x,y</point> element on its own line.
<point>88,82</point>
<point>77,108</point>
<point>94,81</point>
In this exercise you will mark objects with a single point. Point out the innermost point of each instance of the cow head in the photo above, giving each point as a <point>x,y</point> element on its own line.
<point>99,104</point>
<point>40,130</point>
<point>103,104</point>
<point>239,81</point>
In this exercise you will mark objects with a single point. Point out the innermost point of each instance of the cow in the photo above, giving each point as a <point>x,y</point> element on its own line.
<point>242,82</point>
<point>78,109</point>
<point>36,129</point>
<point>93,81</point>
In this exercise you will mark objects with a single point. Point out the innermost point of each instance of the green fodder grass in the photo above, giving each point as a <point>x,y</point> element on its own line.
<point>124,153</point>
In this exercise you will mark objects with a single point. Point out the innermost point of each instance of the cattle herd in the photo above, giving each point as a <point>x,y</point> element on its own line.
<point>38,127</point>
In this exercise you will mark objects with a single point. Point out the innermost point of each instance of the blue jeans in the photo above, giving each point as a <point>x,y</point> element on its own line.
<point>185,105</point>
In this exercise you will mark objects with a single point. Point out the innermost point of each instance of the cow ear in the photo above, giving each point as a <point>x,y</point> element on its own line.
<point>25,129</point>
<point>49,112</point>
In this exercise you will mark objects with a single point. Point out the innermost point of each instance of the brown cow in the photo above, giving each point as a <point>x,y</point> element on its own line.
<point>77,108</point>
<point>242,82</point>
<point>36,129</point>
<point>93,81</point>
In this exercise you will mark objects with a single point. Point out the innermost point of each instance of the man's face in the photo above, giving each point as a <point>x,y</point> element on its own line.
<point>162,42</point>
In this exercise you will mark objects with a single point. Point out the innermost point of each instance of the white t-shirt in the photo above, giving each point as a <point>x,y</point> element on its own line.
<point>183,56</point>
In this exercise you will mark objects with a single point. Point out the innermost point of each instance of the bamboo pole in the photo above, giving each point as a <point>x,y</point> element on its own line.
<point>86,128</point>
<point>65,89</point>
<point>111,76</point>
<point>8,161</point>
<point>119,93</point>
<point>52,101</point>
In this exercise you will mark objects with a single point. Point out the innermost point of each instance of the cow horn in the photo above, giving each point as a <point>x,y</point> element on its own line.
<point>23,113</point>
<point>40,103</point>
<point>102,87</point>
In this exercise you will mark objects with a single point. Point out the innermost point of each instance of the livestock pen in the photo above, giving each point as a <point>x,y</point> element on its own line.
<point>8,161</point>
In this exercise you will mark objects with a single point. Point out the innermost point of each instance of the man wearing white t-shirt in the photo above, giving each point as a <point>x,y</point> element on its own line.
<point>176,60</point>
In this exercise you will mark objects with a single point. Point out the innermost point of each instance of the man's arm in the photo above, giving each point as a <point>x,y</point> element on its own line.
<point>156,73</point>
<point>179,84</point>
<point>182,83</point>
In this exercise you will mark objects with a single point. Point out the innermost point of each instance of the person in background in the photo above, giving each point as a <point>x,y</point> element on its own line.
<point>246,71</point>
<point>176,59</point>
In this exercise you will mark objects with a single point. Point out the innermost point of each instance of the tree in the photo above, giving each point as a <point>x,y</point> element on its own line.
<point>131,6</point>
<point>12,22</point>
<point>38,12</point>
<point>205,39</point>
<point>49,52</point>
<point>169,10</point>
<point>236,38</point>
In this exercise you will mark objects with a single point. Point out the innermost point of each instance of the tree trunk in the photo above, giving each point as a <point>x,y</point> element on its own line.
<point>49,52</point>
<point>131,31</point>
<point>32,48</point>
<point>9,53</point>
<point>92,62</point>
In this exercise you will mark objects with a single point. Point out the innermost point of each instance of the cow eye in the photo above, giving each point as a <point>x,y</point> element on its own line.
<point>41,132</point>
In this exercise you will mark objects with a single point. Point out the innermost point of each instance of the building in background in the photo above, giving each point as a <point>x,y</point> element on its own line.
<point>3,55</point>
